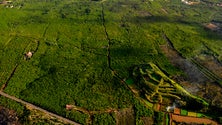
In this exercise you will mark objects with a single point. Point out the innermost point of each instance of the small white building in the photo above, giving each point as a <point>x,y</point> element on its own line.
<point>28,55</point>
<point>190,2</point>
<point>171,108</point>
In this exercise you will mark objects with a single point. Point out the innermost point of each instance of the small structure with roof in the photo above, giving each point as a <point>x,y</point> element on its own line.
<point>69,107</point>
<point>28,55</point>
<point>219,4</point>
<point>212,27</point>
<point>190,2</point>
<point>171,108</point>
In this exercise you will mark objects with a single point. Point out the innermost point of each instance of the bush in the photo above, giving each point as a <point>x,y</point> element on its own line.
<point>104,119</point>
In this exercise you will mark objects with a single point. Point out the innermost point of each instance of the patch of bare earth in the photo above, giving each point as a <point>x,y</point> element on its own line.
<point>125,117</point>
<point>211,63</point>
<point>144,13</point>
<point>213,93</point>
<point>164,10</point>
<point>212,27</point>
<point>193,75</point>
<point>8,117</point>
<point>192,120</point>
<point>196,82</point>
<point>36,117</point>
<point>148,120</point>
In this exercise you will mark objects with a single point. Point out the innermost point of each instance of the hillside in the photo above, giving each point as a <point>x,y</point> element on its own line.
<point>87,60</point>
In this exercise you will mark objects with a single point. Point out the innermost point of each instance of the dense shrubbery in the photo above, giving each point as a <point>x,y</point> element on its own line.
<point>158,118</point>
<point>141,110</point>
<point>104,119</point>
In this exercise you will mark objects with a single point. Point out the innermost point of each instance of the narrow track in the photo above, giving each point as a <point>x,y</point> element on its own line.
<point>45,30</point>
<point>170,44</point>
<point>108,39</point>
<point>108,51</point>
<point>10,39</point>
<point>38,108</point>
<point>205,71</point>
<point>210,75</point>
<point>7,81</point>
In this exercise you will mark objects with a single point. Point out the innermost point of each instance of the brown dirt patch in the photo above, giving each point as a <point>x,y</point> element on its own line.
<point>210,91</point>
<point>213,93</point>
<point>164,10</point>
<point>210,63</point>
<point>144,14</point>
<point>212,27</point>
<point>192,72</point>
<point>36,117</point>
<point>190,120</point>
<point>8,117</point>
<point>125,117</point>
<point>148,120</point>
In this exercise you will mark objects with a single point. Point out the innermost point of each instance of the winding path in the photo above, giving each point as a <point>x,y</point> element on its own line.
<point>38,108</point>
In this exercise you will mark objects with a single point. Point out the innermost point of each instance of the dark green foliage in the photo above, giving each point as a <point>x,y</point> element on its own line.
<point>220,120</point>
<point>141,110</point>
<point>158,118</point>
<point>24,118</point>
<point>77,116</point>
<point>104,119</point>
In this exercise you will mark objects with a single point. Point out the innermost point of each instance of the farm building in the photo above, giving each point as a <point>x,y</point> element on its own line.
<point>69,107</point>
<point>28,55</point>
<point>212,27</point>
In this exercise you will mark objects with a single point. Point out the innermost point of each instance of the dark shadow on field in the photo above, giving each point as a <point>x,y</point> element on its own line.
<point>149,19</point>
<point>213,35</point>
<point>123,52</point>
<point>202,30</point>
<point>199,27</point>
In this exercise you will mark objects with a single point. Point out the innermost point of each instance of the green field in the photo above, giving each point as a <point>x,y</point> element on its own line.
<point>83,48</point>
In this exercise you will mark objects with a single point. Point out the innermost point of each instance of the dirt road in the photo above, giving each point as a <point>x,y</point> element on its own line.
<point>38,108</point>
